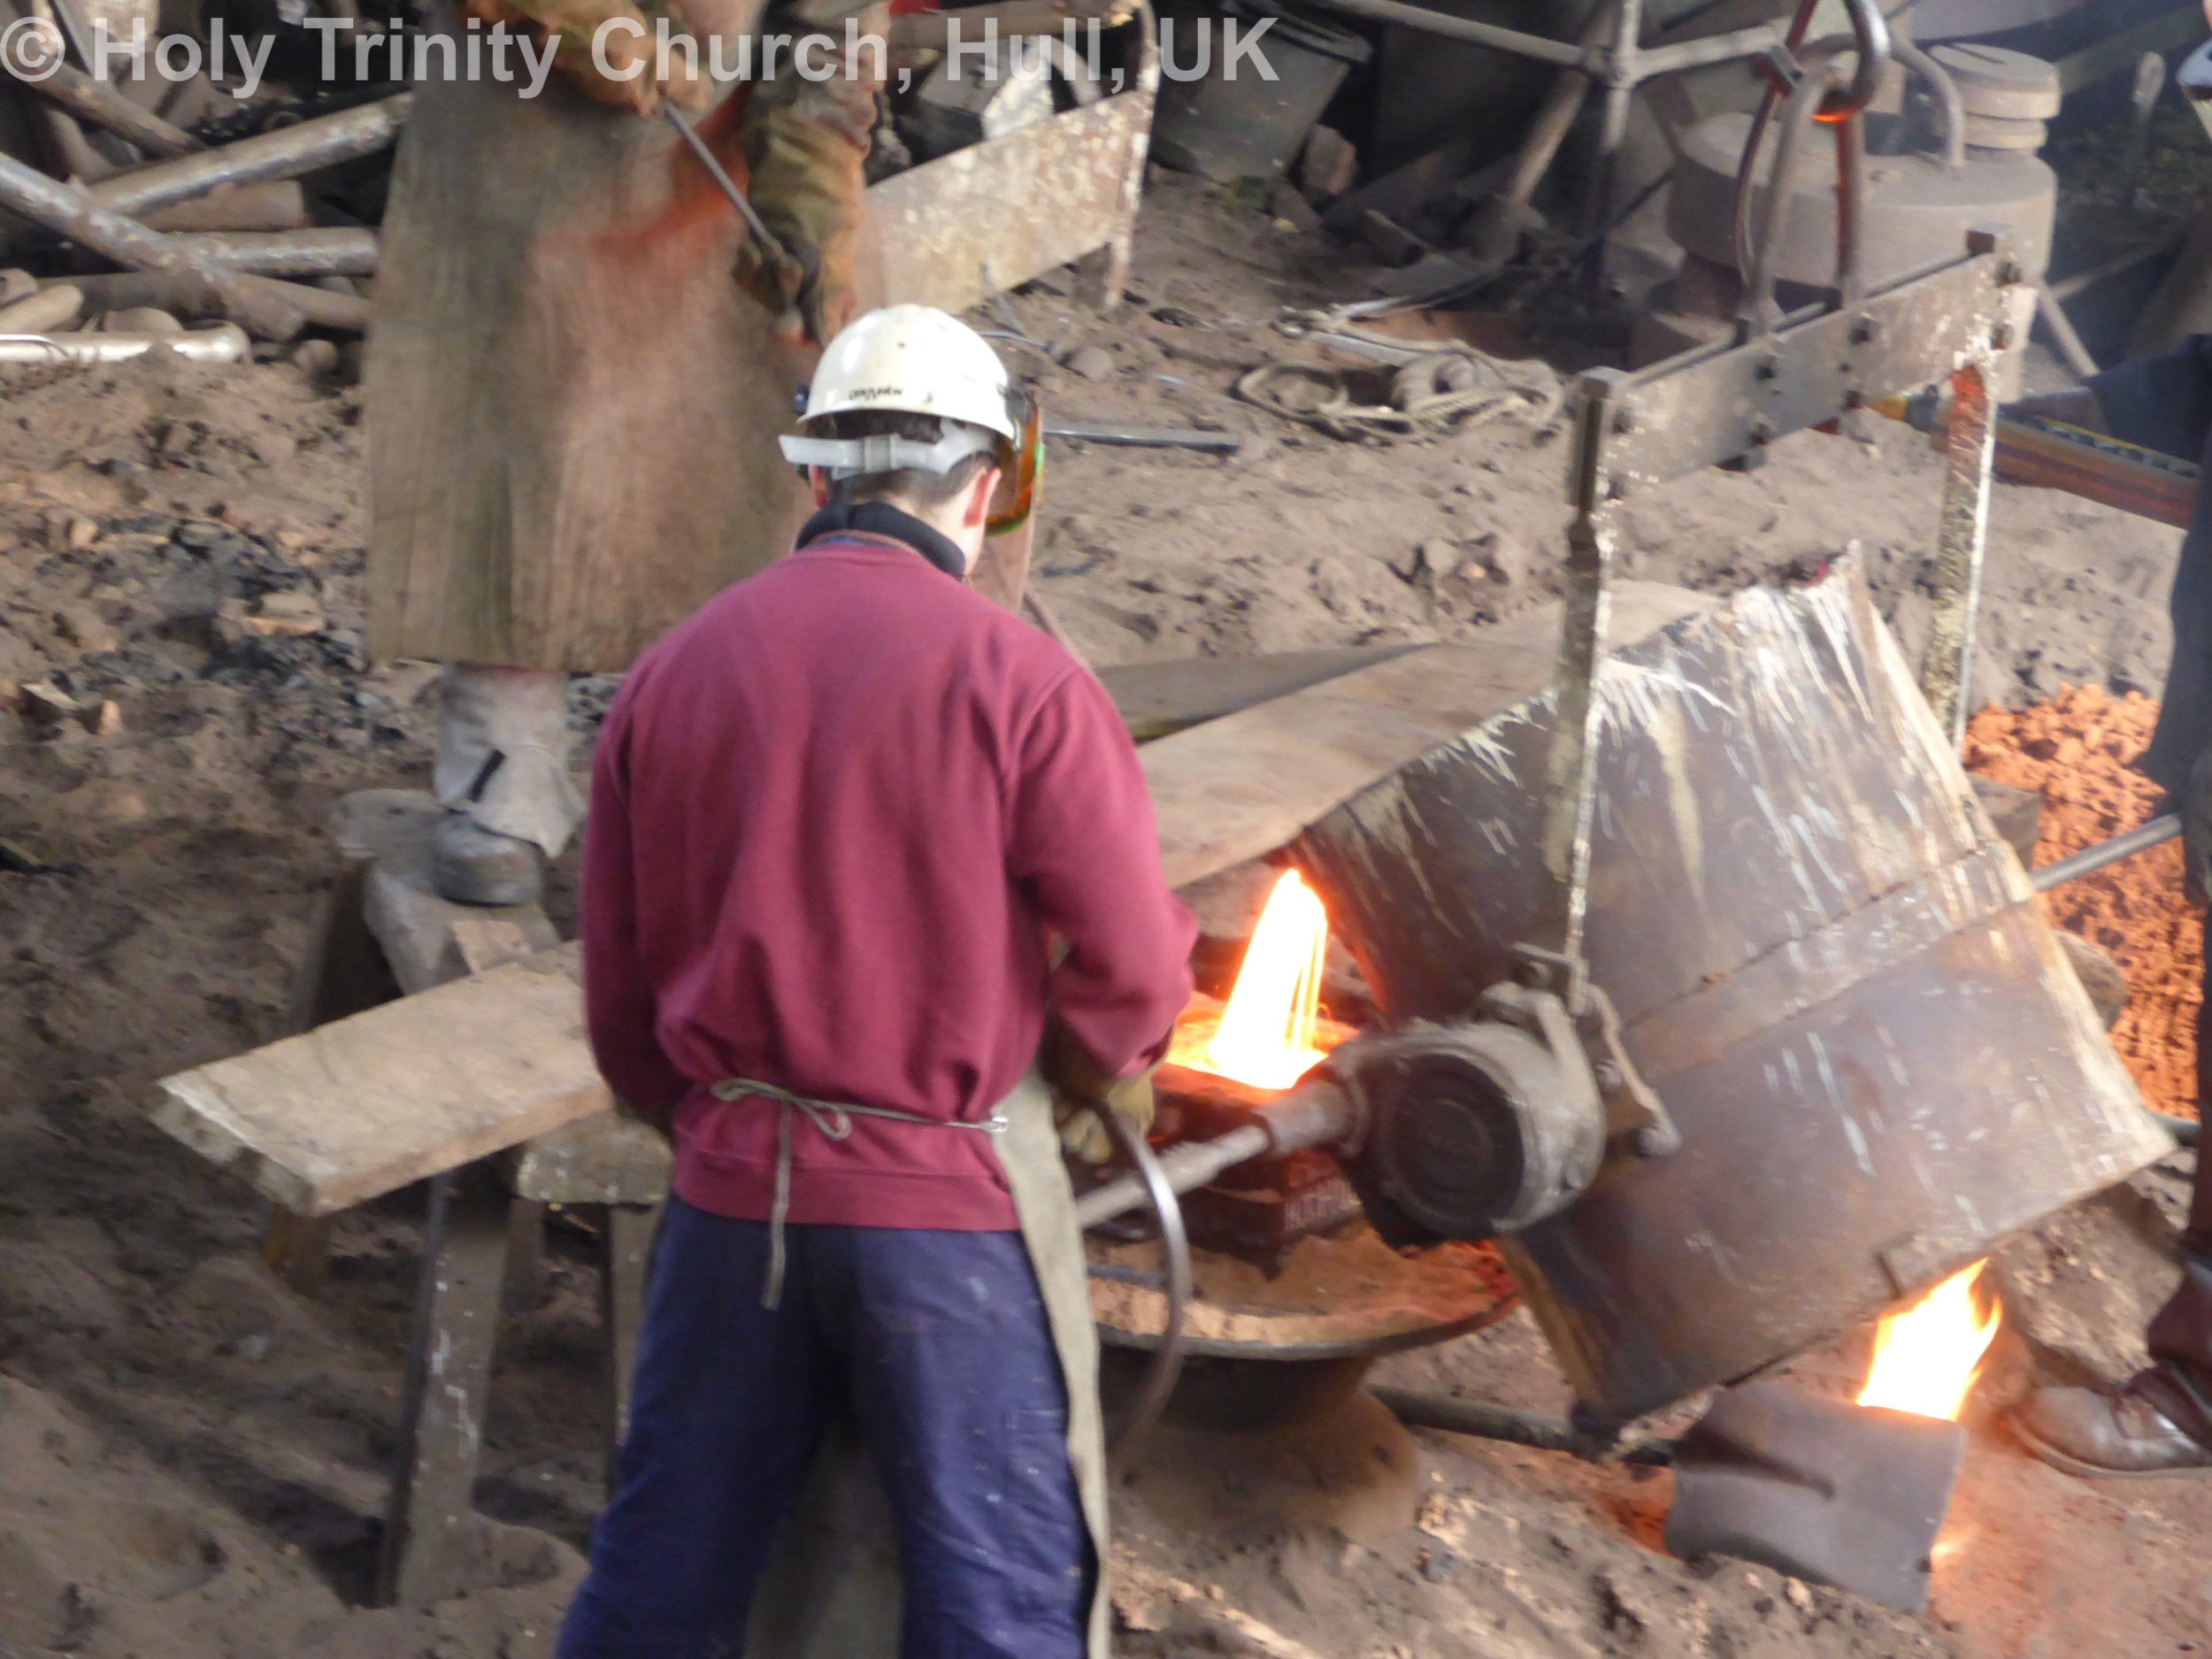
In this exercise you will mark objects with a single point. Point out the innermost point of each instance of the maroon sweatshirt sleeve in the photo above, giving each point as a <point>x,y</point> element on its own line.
<point>619,1007</point>
<point>1084,844</point>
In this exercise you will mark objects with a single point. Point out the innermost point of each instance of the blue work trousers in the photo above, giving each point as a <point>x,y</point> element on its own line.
<point>935,1345</point>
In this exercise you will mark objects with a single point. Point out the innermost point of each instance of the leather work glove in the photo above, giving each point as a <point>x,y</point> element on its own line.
<point>571,26</point>
<point>805,143</point>
<point>2196,829</point>
<point>1078,1083</point>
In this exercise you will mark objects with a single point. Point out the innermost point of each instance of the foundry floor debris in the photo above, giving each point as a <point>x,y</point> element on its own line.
<point>2077,750</point>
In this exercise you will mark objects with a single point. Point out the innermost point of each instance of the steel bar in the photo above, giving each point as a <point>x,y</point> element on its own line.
<point>1962,544</point>
<point>2064,335</point>
<point>285,153</point>
<point>2057,873</point>
<point>1627,22</point>
<point>341,251</point>
<point>1187,1167</point>
<point>1517,1428</point>
<point>98,102</point>
<point>2168,241</point>
<point>1571,758</point>
<point>76,215</point>
<point>2185,1130</point>
<point>1145,437</point>
<point>224,343</point>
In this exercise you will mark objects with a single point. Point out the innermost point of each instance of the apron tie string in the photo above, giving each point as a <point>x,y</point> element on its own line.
<point>835,1121</point>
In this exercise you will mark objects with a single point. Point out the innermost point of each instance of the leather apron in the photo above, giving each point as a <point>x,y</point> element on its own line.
<point>832,1588</point>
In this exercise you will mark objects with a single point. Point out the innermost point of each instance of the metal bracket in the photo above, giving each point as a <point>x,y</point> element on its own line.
<point>1588,1028</point>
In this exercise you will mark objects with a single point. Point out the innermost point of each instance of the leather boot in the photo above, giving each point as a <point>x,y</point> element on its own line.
<point>2101,1435</point>
<point>470,864</point>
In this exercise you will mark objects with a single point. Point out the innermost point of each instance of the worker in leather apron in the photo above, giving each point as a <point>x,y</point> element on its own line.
<point>580,359</point>
<point>858,838</point>
<point>2161,1421</point>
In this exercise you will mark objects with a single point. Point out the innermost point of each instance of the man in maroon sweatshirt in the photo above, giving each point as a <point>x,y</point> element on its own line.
<point>856,834</point>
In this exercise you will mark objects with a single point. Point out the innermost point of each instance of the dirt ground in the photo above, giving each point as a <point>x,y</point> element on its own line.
<point>192,1461</point>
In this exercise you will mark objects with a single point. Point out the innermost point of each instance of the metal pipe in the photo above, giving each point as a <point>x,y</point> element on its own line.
<point>341,251</point>
<point>1948,98</point>
<point>1146,437</point>
<point>1515,1427</point>
<point>1187,1167</point>
<point>2157,833</point>
<point>2183,1129</point>
<point>225,342</point>
<point>285,153</point>
<point>2167,241</point>
<point>78,216</point>
<point>2064,335</point>
<point>97,101</point>
<point>1317,1113</point>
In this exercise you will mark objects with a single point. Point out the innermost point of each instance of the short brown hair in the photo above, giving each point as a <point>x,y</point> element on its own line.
<point>908,483</point>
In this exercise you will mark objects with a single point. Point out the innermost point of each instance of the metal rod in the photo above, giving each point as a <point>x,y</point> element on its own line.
<point>1146,437</point>
<point>103,105</point>
<point>2059,871</point>
<point>2185,1130</point>
<point>341,251</point>
<point>223,344</point>
<point>2182,25</point>
<point>1570,760</point>
<point>2167,241</point>
<point>713,165</point>
<point>1187,1167</point>
<point>1516,1427</point>
<point>75,214</point>
<point>285,153</point>
<point>1962,544</point>
<point>2064,334</point>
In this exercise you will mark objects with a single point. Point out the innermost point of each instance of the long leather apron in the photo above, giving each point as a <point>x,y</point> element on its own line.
<point>831,1589</point>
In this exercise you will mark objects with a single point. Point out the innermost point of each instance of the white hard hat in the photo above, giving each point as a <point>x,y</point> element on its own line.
<point>908,360</point>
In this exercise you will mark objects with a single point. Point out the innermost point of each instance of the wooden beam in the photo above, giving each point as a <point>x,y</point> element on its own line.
<point>425,1554</point>
<point>1242,785</point>
<point>1157,699</point>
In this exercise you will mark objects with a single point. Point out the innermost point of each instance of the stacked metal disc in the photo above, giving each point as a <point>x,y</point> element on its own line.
<point>2011,98</point>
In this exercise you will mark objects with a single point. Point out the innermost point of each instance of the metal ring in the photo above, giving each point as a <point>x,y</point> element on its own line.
<point>1870,30</point>
<point>1167,1359</point>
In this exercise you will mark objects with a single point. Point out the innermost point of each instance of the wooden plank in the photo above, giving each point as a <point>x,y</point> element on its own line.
<point>1157,699</point>
<point>1244,785</point>
<point>338,1114</point>
<point>427,1554</point>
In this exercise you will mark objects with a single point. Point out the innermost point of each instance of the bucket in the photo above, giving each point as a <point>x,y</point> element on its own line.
<point>1226,128</point>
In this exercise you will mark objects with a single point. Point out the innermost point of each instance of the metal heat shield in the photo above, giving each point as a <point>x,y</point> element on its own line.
<point>1827,962</point>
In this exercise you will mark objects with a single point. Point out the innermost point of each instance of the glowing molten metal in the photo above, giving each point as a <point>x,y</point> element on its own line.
<point>1270,1033</point>
<point>1927,1356</point>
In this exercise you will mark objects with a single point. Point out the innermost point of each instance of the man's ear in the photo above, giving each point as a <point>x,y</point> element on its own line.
<point>819,481</point>
<point>975,509</point>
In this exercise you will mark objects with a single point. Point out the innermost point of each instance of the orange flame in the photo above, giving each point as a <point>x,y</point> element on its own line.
<point>1926,1357</point>
<point>1266,1037</point>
